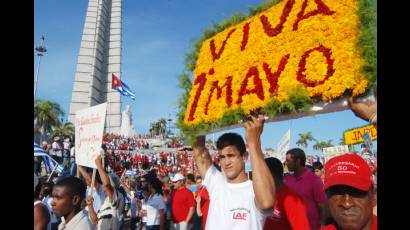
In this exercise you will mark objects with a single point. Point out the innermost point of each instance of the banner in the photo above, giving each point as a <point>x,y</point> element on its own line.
<point>283,146</point>
<point>331,152</point>
<point>292,47</point>
<point>89,129</point>
<point>354,136</point>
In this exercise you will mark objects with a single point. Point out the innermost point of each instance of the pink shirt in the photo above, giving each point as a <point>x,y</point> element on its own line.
<point>310,188</point>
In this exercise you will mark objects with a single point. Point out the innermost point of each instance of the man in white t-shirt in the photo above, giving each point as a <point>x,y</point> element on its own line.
<point>57,150</point>
<point>235,201</point>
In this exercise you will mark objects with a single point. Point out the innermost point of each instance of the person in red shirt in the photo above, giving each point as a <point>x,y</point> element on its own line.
<point>309,186</point>
<point>202,199</point>
<point>289,208</point>
<point>182,204</point>
<point>352,196</point>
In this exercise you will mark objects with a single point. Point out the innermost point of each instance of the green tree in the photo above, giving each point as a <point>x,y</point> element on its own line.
<point>322,144</point>
<point>63,130</point>
<point>46,116</point>
<point>304,138</point>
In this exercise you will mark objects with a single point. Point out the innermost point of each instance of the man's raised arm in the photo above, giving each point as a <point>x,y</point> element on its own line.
<point>85,174</point>
<point>201,156</point>
<point>262,180</point>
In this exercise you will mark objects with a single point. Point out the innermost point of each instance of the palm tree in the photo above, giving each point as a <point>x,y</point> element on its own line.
<point>67,129</point>
<point>46,116</point>
<point>322,144</point>
<point>304,138</point>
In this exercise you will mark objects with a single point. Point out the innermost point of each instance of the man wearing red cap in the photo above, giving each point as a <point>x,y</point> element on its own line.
<point>182,204</point>
<point>349,186</point>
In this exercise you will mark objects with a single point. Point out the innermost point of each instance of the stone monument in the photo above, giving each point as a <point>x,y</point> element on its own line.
<point>126,122</point>
<point>99,57</point>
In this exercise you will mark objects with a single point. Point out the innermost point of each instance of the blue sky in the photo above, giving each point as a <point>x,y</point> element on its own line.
<point>156,35</point>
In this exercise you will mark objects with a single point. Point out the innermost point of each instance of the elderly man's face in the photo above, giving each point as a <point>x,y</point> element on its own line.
<point>351,208</point>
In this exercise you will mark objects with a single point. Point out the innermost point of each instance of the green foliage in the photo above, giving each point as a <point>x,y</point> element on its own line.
<point>46,116</point>
<point>367,40</point>
<point>261,7</point>
<point>63,130</point>
<point>304,138</point>
<point>231,117</point>
<point>322,144</point>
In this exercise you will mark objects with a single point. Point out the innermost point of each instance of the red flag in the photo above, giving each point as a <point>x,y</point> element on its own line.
<point>115,82</point>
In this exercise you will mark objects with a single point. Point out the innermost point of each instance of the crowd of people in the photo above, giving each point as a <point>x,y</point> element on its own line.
<point>192,189</point>
<point>117,142</point>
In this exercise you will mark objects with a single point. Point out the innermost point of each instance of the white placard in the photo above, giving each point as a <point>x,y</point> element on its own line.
<point>334,151</point>
<point>89,129</point>
<point>283,146</point>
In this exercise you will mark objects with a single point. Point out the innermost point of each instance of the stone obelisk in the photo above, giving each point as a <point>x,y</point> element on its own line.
<point>99,57</point>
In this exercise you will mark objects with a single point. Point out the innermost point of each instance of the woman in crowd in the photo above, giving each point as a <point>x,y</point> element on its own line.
<point>152,206</point>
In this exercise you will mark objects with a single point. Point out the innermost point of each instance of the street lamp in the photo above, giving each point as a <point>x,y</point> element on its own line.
<point>40,50</point>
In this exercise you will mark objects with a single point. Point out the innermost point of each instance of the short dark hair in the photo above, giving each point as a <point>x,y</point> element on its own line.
<point>297,154</point>
<point>155,182</point>
<point>74,186</point>
<point>190,177</point>
<point>317,165</point>
<point>275,167</point>
<point>47,188</point>
<point>234,139</point>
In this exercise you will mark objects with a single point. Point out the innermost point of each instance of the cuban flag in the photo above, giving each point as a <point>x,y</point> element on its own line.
<point>49,162</point>
<point>132,172</point>
<point>121,87</point>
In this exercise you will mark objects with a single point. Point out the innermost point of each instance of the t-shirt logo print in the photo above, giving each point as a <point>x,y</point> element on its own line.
<point>240,214</point>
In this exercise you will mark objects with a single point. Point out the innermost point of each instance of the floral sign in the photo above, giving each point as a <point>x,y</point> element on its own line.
<point>308,46</point>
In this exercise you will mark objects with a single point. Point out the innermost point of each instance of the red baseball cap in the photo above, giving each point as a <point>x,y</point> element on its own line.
<point>348,169</point>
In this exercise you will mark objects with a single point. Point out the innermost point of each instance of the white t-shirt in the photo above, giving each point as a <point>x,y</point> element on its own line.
<point>153,204</point>
<point>72,152</point>
<point>232,206</point>
<point>57,149</point>
<point>66,145</point>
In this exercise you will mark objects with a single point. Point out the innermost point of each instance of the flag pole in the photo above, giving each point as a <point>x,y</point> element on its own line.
<point>52,172</point>
<point>109,109</point>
